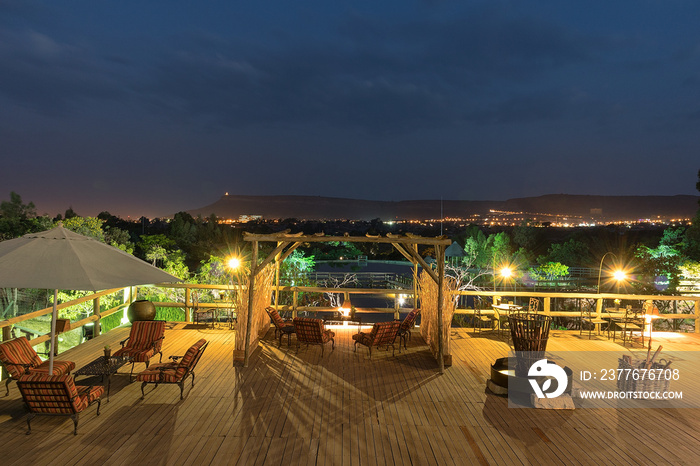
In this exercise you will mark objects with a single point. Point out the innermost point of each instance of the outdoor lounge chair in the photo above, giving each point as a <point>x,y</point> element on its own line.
<point>406,325</point>
<point>282,327</point>
<point>19,358</point>
<point>174,372</point>
<point>57,395</point>
<point>145,340</point>
<point>383,333</point>
<point>313,332</point>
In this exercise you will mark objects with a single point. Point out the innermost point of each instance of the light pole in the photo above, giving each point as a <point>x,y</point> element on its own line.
<point>600,269</point>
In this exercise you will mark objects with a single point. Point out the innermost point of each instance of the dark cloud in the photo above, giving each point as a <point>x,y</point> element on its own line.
<point>503,88</point>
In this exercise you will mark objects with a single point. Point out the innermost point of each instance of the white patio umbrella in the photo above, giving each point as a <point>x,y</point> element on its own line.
<point>60,259</point>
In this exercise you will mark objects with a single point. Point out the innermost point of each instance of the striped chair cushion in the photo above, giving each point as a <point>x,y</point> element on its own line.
<point>145,340</point>
<point>163,372</point>
<point>144,333</point>
<point>172,372</point>
<point>410,321</point>
<point>276,319</point>
<point>312,331</point>
<point>56,394</point>
<point>136,355</point>
<point>16,354</point>
<point>189,357</point>
<point>383,333</point>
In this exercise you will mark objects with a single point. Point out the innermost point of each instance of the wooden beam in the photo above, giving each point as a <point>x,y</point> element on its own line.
<point>419,259</point>
<point>280,247</point>
<point>277,237</point>
<point>399,248</point>
<point>289,251</point>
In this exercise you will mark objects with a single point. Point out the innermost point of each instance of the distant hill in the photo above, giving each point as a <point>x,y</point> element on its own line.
<point>319,208</point>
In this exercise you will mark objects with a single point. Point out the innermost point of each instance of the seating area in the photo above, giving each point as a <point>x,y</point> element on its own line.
<point>313,332</point>
<point>382,334</point>
<point>19,359</point>
<point>145,341</point>
<point>56,395</point>
<point>282,327</point>
<point>173,372</point>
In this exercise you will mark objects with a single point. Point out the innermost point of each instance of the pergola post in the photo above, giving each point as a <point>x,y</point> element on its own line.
<point>440,253</point>
<point>251,294</point>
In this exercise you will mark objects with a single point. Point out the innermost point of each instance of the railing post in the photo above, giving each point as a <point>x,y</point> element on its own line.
<point>697,316</point>
<point>548,305</point>
<point>96,329</point>
<point>188,297</point>
<point>294,302</point>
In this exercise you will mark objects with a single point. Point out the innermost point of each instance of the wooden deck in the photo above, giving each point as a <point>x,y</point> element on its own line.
<point>299,408</point>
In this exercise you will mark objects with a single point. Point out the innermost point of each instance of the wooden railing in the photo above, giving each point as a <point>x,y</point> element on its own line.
<point>390,294</point>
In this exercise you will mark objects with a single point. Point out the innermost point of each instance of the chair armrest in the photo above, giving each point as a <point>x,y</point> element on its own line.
<point>26,368</point>
<point>124,341</point>
<point>175,358</point>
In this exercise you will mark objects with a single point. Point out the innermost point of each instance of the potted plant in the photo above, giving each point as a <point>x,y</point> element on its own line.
<point>108,352</point>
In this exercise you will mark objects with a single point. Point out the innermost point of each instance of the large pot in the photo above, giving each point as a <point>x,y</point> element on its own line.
<point>141,309</point>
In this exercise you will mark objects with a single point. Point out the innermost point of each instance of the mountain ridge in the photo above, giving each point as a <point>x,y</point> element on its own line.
<point>575,205</point>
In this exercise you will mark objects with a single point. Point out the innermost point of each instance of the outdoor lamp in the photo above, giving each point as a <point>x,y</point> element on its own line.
<point>651,312</point>
<point>620,275</point>
<point>345,308</point>
<point>233,263</point>
<point>506,272</point>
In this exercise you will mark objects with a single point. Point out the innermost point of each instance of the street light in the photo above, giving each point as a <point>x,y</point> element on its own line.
<point>600,269</point>
<point>619,275</point>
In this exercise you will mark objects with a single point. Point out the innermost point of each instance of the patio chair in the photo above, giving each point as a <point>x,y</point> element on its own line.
<point>19,358</point>
<point>174,372</point>
<point>588,316</point>
<point>632,326</point>
<point>480,318</point>
<point>406,325</point>
<point>282,327</point>
<point>313,332</point>
<point>57,395</point>
<point>145,341</point>
<point>383,333</point>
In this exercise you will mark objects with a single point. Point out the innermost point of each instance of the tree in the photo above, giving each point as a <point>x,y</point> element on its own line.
<point>663,260</point>
<point>16,218</point>
<point>549,272</point>
<point>573,253</point>
<point>86,226</point>
<point>156,247</point>
<point>692,234</point>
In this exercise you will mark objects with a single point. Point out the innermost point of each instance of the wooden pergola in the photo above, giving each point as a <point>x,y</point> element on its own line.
<point>407,245</point>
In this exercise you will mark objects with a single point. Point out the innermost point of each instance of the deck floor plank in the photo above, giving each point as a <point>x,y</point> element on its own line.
<point>345,408</point>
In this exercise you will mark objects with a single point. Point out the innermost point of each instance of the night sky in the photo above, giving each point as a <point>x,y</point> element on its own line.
<point>153,107</point>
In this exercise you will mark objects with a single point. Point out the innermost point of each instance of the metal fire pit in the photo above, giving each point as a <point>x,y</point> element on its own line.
<point>530,333</point>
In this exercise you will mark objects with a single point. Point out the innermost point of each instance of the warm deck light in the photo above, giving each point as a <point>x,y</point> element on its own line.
<point>345,308</point>
<point>506,272</point>
<point>233,263</point>
<point>620,275</point>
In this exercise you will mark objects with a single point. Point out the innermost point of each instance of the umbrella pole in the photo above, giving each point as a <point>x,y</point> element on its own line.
<point>54,316</point>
